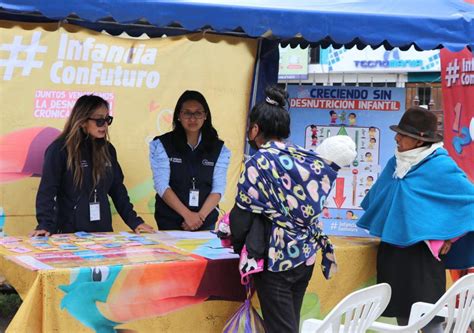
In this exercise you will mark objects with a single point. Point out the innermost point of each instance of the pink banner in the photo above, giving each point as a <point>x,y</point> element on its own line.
<point>457,75</point>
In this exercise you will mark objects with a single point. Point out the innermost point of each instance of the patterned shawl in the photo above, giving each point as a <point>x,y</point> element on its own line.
<point>289,185</point>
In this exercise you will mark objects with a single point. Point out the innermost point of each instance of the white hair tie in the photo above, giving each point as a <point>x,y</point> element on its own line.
<point>271,101</point>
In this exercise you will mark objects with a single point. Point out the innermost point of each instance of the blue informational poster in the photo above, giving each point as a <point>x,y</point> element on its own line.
<point>365,114</point>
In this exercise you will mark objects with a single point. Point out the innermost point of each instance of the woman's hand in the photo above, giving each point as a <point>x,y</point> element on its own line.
<point>445,248</point>
<point>192,221</point>
<point>40,232</point>
<point>144,228</point>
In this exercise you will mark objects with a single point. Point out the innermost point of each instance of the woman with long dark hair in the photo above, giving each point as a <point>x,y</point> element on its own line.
<point>80,171</point>
<point>189,167</point>
<point>280,196</point>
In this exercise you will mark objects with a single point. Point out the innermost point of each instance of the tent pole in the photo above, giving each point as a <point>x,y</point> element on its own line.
<point>256,74</point>
<point>253,98</point>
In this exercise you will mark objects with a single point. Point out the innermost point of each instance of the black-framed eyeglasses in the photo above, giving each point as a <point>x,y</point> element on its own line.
<point>100,122</point>
<point>197,115</point>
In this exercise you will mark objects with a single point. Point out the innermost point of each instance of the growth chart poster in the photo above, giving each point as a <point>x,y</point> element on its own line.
<point>364,114</point>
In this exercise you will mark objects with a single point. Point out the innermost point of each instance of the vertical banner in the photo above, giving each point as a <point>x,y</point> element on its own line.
<point>458,95</point>
<point>364,114</point>
<point>44,72</point>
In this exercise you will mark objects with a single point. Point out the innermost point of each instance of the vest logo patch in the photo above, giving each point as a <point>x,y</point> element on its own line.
<point>84,164</point>
<point>175,160</point>
<point>207,163</point>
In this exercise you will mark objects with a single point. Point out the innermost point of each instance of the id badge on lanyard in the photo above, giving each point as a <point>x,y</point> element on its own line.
<point>94,209</point>
<point>194,195</point>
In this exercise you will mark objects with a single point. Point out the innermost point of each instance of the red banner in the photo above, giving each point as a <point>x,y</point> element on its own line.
<point>457,76</point>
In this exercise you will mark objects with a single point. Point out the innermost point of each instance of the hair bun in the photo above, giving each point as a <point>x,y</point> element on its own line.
<point>277,94</point>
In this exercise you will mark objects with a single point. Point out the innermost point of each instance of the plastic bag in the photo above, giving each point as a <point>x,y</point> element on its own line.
<point>246,319</point>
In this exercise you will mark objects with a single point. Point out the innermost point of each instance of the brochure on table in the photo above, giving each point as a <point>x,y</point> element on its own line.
<point>363,113</point>
<point>90,249</point>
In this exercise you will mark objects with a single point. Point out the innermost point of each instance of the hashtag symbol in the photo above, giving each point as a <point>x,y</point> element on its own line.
<point>16,49</point>
<point>452,73</point>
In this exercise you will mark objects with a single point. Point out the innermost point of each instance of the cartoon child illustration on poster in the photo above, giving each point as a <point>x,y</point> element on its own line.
<point>369,181</point>
<point>326,213</point>
<point>333,116</point>
<point>368,157</point>
<point>350,215</point>
<point>372,143</point>
<point>352,119</point>
<point>372,132</point>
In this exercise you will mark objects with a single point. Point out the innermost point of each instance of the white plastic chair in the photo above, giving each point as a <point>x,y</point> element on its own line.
<point>457,305</point>
<point>355,313</point>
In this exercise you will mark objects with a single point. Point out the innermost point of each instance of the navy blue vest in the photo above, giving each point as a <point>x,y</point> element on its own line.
<point>198,164</point>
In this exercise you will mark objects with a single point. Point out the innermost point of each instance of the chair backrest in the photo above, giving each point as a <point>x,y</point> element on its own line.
<point>458,302</point>
<point>358,310</point>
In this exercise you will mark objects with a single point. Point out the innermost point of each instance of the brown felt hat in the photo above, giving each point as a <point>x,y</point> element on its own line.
<point>419,124</point>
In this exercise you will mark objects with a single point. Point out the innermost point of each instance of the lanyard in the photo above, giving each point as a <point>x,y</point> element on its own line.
<point>193,170</point>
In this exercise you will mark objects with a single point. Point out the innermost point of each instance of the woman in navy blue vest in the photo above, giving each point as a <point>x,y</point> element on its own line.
<point>80,172</point>
<point>189,167</point>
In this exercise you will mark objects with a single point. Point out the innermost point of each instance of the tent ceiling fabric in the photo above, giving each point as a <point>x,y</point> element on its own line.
<point>428,24</point>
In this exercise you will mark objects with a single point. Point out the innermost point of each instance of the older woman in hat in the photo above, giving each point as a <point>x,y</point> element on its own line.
<point>421,198</point>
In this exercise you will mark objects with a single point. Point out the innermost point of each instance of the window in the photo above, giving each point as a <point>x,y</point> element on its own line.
<point>428,95</point>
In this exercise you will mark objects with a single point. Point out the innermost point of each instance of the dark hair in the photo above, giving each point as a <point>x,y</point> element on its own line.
<point>271,116</point>
<point>208,132</point>
<point>352,114</point>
